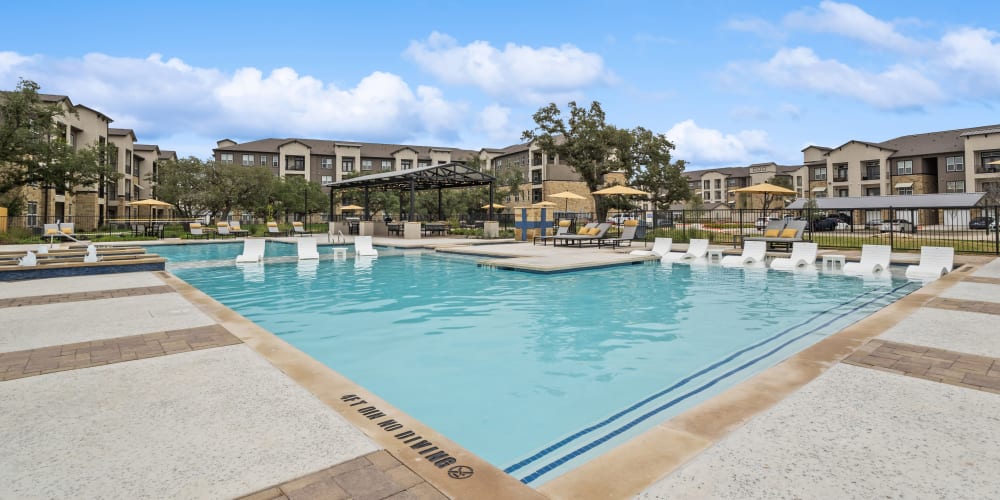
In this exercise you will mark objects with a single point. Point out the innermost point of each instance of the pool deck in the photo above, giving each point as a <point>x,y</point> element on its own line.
<point>138,385</point>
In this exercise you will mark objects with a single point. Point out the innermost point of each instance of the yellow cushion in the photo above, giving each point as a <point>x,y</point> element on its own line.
<point>296,223</point>
<point>51,230</point>
<point>222,224</point>
<point>272,224</point>
<point>789,233</point>
<point>564,223</point>
<point>583,230</point>
<point>195,225</point>
<point>67,230</point>
<point>595,231</point>
<point>771,233</point>
<point>631,222</point>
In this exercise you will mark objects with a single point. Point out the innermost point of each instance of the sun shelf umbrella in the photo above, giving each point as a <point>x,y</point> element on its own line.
<point>567,195</point>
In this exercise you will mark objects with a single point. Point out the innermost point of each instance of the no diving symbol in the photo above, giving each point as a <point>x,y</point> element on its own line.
<point>460,472</point>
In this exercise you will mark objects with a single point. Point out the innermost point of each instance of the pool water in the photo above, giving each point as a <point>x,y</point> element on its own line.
<point>538,373</point>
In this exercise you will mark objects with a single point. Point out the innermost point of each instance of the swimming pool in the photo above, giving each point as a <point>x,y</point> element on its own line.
<point>538,373</point>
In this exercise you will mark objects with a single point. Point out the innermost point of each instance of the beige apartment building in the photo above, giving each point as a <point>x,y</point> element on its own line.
<point>544,175</point>
<point>950,161</point>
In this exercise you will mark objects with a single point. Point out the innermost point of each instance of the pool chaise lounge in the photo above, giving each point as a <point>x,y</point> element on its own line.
<point>626,237</point>
<point>661,247</point>
<point>697,248</point>
<point>874,260</point>
<point>593,235</point>
<point>306,248</point>
<point>803,255</point>
<point>753,254</point>
<point>563,230</point>
<point>363,247</point>
<point>253,251</point>
<point>934,263</point>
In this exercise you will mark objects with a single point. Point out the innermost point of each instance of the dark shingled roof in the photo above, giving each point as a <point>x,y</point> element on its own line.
<point>145,147</point>
<point>946,141</point>
<point>936,200</point>
<point>325,147</point>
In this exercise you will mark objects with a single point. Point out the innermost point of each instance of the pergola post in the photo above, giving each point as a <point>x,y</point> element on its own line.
<point>413,191</point>
<point>490,216</point>
<point>367,214</point>
<point>330,217</point>
<point>440,213</point>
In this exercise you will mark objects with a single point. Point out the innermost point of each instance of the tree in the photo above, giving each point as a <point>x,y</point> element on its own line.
<point>650,154</point>
<point>34,150</point>
<point>182,183</point>
<point>294,194</point>
<point>585,141</point>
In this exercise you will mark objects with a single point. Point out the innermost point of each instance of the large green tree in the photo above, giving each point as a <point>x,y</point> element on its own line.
<point>649,154</point>
<point>183,183</point>
<point>34,150</point>
<point>198,187</point>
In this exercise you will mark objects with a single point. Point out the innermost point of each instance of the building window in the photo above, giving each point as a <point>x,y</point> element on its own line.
<point>954,187</point>
<point>819,174</point>
<point>820,194</point>
<point>987,158</point>
<point>873,191</point>
<point>366,164</point>
<point>263,160</point>
<point>839,172</point>
<point>536,159</point>
<point>427,163</point>
<point>405,164</point>
<point>536,176</point>
<point>248,160</point>
<point>128,161</point>
<point>707,185</point>
<point>32,213</point>
<point>872,170</point>
<point>274,161</point>
<point>326,163</point>
<point>226,158</point>
<point>536,195</point>
<point>325,179</point>
<point>295,163</point>
<point>718,195</point>
<point>843,193</point>
<point>386,165</point>
<point>347,165</point>
<point>718,183</point>
<point>904,191</point>
<point>730,182</point>
<point>798,181</point>
<point>954,163</point>
<point>904,167</point>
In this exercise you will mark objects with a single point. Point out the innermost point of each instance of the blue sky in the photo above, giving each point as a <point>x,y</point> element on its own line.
<point>731,83</point>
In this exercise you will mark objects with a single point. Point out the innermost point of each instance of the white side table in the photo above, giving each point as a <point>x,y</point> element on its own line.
<point>339,252</point>
<point>832,262</point>
<point>714,255</point>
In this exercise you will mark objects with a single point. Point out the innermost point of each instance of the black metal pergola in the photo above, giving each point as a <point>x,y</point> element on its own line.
<point>444,176</point>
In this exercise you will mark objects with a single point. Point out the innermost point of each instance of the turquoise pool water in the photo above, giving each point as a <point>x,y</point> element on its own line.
<point>538,373</point>
<point>212,252</point>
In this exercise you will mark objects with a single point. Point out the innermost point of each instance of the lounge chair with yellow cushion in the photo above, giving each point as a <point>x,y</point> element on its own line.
<point>222,229</point>
<point>592,235</point>
<point>195,230</point>
<point>563,229</point>
<point>628,234</point>
<point>299,229</point>
<point>789,234</point>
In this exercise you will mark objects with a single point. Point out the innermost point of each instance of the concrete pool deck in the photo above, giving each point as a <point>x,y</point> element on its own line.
<point>138,385</point>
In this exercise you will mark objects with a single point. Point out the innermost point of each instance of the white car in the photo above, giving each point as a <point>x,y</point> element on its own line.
<point>898,226</point>
<point>619,218</point>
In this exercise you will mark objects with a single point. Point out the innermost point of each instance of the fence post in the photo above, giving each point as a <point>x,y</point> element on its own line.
<point>996,234</point>
<point>892,217</point>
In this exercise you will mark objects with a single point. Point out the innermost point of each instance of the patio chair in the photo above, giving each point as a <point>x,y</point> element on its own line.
<point>628,234</point>
<point>789,234</point>
<point>29,260</point>
<point>196,231</point>
<point>299,229</point>
<point>594,234</point>
<point>661,247</point>
<point>253,251</point>
<point>222,229</point>
<point>874,260</point>
<point>234,227</point>
<point>697,248</point>
<point>363,247</point>
<point>803,255</point>
<point>754,253</point>
<point>273,229</point>
<point>562,230</point>
<point>934,263</point>
<point>307,248</point>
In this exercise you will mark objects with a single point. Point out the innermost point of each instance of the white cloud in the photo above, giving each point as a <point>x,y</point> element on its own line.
<point>162,98</point>
<point>971,58</point>
<point>897,87</point>
<point>749,113</point>
<point>790,110</point>
<point>853,22</point>
<point>705,145</point>
<point>494,122</point>
<point>756,26</point>
<point>518,72</point>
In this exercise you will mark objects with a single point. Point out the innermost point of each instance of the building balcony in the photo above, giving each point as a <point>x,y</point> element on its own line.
<point>987,169</point>
<point>840,179</point>
<point>871,177</point>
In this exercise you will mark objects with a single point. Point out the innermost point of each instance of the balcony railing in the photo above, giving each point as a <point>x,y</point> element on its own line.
<point>871,177</point>
<point>987,169</point>
<point>840,178</point>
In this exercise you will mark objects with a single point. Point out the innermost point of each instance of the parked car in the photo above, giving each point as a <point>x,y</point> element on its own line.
<point>980,222</point>
<point>762,222</point>
<point>898,226</point>
<point>873,224</point>
<point>825,224</point>
<point>619,218</point>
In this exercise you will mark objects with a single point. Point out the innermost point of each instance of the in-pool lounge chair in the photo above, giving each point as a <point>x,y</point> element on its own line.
<point>874,260</point>
<point>562,230</point>
<point>754,253</point>
<point>307,248</point>
<point>803,256</point>
<point>253,251</point>
<point>789,234</point>
<point>661,247</point>
<point>628,234</point>
<point>697,248</point>
<point>363,247</point>
<point>592,235</point>
<point>934,263</point>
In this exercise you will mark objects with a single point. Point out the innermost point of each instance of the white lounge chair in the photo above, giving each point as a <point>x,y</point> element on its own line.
<point>28,260</point>
<point>253,251</point>
<point>803,255</point>
<point>697,248</point>
<point>753,253</point>
<point>874,260</point>
<point>363,246</point>
<point>307,248</point>
<point>91,254</point>
<point>934,263</point>
<point>661,247</point>
<point>222,229</point>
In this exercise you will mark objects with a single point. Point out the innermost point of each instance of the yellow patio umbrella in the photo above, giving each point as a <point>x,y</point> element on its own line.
<point>543,204</point>
<point>150,203</point>
<point>767,190</point>
<point>495,205</point>
<point>622,190</point>
<point>567,195</point>
<point>351,207</point>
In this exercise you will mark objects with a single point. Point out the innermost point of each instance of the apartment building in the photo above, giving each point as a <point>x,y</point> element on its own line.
<point>543,175</point>
<point>950,161</point>
<point>136,164</point>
